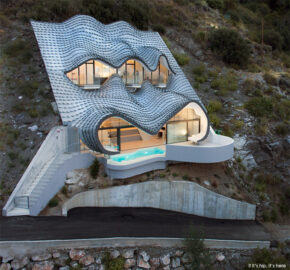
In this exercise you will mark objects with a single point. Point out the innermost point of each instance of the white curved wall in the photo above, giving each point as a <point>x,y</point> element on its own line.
<point>203,121</point>
<point>180,196</point>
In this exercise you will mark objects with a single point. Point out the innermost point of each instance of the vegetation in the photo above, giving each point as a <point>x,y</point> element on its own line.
<point>230,46</point>
<point>266,257</point>
<point>225,83</point>
<point>194,244</point>
<point>199,73</point>
<point>181,58</point>
<point>113,264</point>
<point>281,129</point>
<point>94,168</point>
<point>259,106</point>
<point>53,203</point>
<point>214,119</point>
<point>214,106</point>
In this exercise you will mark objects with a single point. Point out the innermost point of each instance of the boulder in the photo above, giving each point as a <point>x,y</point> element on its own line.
<point>175,262</point>
<point>115,254</point>
<point>165,259</point>
<point>155,262</point>
<point>75,255</point>
<point>142,263</point>
<point>33,128</point>
<point>178,253</point>
<point>64,268</point>
<point>62,260</point>
<point>220,257</point>
<point>19,263</point>
<point>56,255</point>
<point>41,257</point>
<point>145,256</point>
<point>44,265</point>
<point>5,266</point>
<point>129,263</point>
<point>86,260</point>
<point>6,259</point>
<point>167,267</point>
<point>128,253</point>
<point>98,260</point>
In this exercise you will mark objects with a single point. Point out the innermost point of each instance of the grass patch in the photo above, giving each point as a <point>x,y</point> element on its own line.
<point>270,78</point>
<point>282,129</point>
<point>113,264</point>
<point>214,119</point>
<point>181,58</point>
<point>214,106</point>
<point>225,83</point>
<point>259,106</point>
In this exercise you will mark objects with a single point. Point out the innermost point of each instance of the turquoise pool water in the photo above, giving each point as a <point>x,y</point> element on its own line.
<point>138,154</point>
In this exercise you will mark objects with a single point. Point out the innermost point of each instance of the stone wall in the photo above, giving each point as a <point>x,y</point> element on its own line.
<point>132,258</point>
<point>181,196</point>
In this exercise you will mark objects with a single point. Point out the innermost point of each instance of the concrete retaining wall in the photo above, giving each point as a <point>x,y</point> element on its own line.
<point>180,196</point>
<point>77,161</point>
<point>24,248</point>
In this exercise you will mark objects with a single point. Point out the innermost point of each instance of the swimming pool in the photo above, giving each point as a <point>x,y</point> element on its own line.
<point>138,154</point>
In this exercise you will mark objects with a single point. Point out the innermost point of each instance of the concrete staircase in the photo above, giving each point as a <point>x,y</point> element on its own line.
<point>32,193</point>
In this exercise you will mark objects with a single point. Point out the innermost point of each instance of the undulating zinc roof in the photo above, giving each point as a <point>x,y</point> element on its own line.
<point>64,46</point>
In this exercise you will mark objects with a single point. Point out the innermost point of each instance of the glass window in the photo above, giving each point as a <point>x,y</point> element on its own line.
<point>193,127</point>
<point>108,138</point>
<point>138,73</point>
<point>82,71</point>
<point>163,74</point>
<point>74,75</point>
<point>90,73</point>
<point>155,76</point>
<point>177,132</point>
<point>147,74</point>
<point>130,74</point>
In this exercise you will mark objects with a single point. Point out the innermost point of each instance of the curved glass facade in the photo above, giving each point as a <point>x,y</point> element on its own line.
<point>93,73</point>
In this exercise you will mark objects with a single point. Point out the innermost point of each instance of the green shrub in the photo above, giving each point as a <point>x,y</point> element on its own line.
<point>273,38</point>
<point>216,4</point>
<point>227,131</point>
<point>185,177</point>
<point>230,46</point>
<point>33,113</point>
<point>271,79</point>
<point>12,155</point>
<point>214,106</point>
<point>199,73</point>
<point>166,41</point>
<point>181,58</point>
<point>198,254</point>
<point>281,129</point>
<point>159,28</point>
<point>94,168</point>
<point>225,83</point>
<point>266,257</point>
<point>28,88</point>
<point>199,69</point>
<point>200,36</point>
<point>53,202</point>
<point>238,124</point>
<point>18,48</point>
<point>215,120</point>
<point>64,190</point>
<point>284,207</point>
<point>252,88</point>
<point>259,106</point>
<point>113,264</point>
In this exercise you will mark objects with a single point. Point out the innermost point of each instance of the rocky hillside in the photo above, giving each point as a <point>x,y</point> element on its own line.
<point>244,82</point>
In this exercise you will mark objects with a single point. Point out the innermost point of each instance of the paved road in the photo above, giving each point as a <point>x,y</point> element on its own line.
<point>124,222</point>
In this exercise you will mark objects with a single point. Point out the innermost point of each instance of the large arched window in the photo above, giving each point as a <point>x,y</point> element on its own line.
<point>93,73</point>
